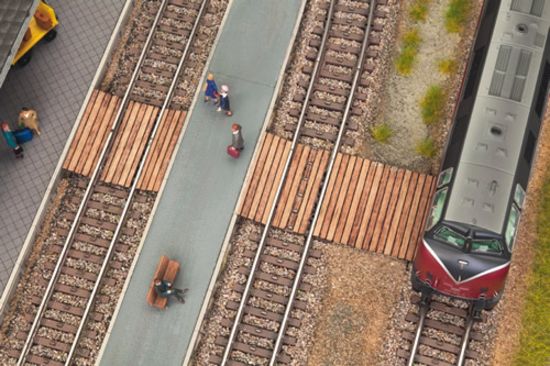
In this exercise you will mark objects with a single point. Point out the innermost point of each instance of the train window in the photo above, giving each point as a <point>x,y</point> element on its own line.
<point>450,236</point>
<point>474,72</point>
<point>445,177</point>
<point>437,208</point>
<point>510,233</point>
<point>486,246</point>
<point>541,97</point>
<point>519,195</point>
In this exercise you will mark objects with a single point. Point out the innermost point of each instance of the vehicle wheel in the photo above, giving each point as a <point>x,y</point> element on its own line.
<point>50,36</point>
<point>23,61</point>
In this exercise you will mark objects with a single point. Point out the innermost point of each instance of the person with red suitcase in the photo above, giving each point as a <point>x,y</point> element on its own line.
<point>237,141</point>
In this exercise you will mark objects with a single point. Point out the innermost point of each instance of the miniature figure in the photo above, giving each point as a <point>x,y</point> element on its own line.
<point>224,101</point>
<point>29,118</point>
<point>11,141</point>
<point>166,289</point>
<point>210,89</point>
<point>237,138</point>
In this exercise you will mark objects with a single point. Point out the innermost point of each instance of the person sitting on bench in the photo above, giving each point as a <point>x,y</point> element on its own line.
<point>166,289</point>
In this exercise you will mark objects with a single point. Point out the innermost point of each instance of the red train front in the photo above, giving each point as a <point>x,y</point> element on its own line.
<point>470,233</point>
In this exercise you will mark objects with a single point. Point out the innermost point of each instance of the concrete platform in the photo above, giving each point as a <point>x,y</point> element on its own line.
<point>55,84</point>
<point>202,189</point>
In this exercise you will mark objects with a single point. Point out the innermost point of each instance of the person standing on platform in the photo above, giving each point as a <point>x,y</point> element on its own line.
<point>237,140</point>
<point>11,141</point>
<point>224,101</point>
<point>29,118</point>
<point>210,89</point>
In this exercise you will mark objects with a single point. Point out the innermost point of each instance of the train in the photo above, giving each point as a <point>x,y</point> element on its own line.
<point>468,240</point>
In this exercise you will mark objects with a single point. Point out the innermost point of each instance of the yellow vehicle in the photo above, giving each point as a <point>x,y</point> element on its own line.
<point>41,26</point>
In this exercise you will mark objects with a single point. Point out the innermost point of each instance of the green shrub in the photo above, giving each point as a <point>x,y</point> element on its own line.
<point>433,104</point>
<point>419,10</point>
<point>447,67</point>
<point>426,148</point>
<point>534,344</point>
<point>381,133</point>
<point>409,49</point>
<point>457,15</point>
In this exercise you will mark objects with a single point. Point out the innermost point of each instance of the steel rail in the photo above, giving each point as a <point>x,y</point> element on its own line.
<point>262,243</point>
<point>423,310</point>
<point>137,176</point>
<point>326,179</point>
<point>466,339</point>
<point>98,168</point>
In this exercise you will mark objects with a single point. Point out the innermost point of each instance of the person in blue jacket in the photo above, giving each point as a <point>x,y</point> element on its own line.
<point>166,289</point>
<point>11,141</point>
<point>210,89</point>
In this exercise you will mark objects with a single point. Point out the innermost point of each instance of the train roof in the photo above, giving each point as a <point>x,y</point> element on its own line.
<point>492,148</point>
<point>15,16</point>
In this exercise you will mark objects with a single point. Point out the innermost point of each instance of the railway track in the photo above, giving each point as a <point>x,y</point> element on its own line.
<point>442,335</point>
<point>258,331</point>
<point>342,50</point>
<point>101,212</point>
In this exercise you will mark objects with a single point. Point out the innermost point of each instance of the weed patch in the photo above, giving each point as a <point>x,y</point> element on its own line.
<point>433,104</point>
<point>535,344</point>
<point>457,15</point>
<point>426,148</point>
<point>419,10</point>
<point>409,49</point>
<point>381,133</point>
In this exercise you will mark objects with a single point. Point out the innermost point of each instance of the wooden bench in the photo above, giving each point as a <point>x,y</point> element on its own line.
<point>167,270</point>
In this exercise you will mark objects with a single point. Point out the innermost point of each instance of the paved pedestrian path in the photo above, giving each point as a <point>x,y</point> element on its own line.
<point>203,186</point>
<point>54,83</point>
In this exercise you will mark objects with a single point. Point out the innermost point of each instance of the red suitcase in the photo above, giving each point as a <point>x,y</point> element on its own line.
<point>234,153</point>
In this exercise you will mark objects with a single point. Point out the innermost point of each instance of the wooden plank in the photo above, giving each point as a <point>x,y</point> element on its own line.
<point>347,200</point>
<point>180,121</point>
<point>75,142</point>
<point>252,168</point>
<point>94,139</point>
<point>344,237</point>
<point>101,136</point>
<point>362,213</point>
<point>389,248</point>
<point>397,191</point>
<point>270,182</point>
<point>380,173</point>
<point>133,142</point>
<point>299,200</point>
<point>258,169</point>
<point>87,138</point>
<point>401,248</point>
<point>345,187</point>
<point>330,188</point>
<point>138,146</point>
<point>316,186</point>
<point>295,184</point>
<point>423,208</point>
<point>375,226</point>
<point>301,216</point>
<point>411,221</point>
<point>114,158</point>
<point>266,173</point>
<point>287,186</point>
<point>277,178</point>
<point>159,142</point>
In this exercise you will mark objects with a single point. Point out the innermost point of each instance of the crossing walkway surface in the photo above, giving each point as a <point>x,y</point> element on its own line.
<point>201,192</point>
<point>54,83</point>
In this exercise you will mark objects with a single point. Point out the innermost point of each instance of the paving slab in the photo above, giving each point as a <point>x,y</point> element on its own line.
<point>54,83</point>
<point>203,186</point>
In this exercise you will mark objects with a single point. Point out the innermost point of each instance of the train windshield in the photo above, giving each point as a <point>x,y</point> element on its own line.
<point>448,235</point>
<point>492,246</point>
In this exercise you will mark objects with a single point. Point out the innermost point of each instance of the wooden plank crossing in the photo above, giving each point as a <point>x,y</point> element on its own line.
<point>129,143</point>
<point>368,205</point>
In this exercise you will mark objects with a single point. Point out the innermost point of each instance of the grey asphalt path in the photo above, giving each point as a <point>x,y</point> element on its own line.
<point>54,83</point>
<point>203,186</point>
